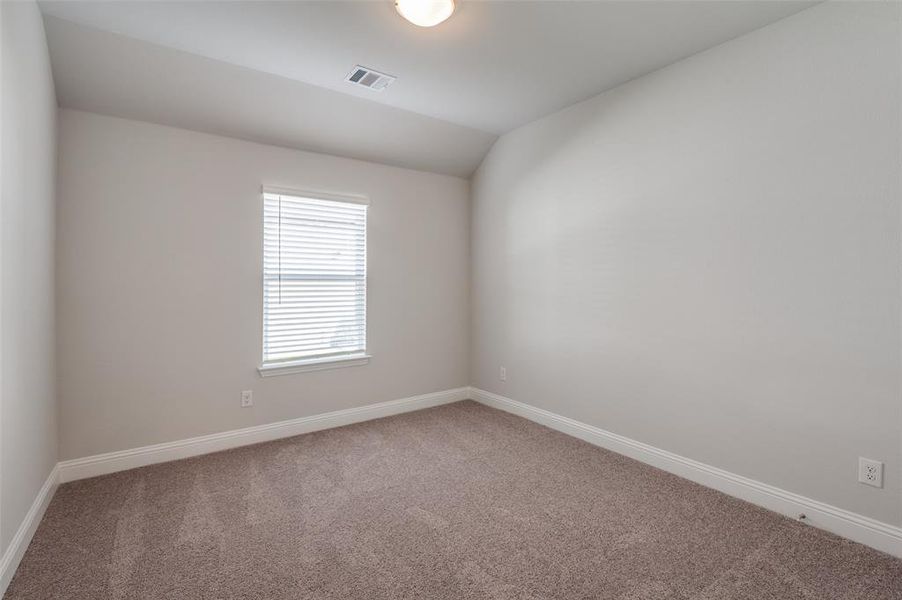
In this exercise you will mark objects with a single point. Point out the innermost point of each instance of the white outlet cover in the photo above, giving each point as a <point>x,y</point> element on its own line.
<point>870,472</point>
<point>502,373</point>
<point>247,398</point>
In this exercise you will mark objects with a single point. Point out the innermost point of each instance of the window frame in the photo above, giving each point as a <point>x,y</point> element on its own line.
<point>315,363</point>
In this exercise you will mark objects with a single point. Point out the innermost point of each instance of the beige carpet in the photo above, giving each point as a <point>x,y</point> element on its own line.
<point>459,501</point>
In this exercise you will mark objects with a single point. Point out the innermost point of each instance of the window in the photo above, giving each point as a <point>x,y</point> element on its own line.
<point>314,281</point>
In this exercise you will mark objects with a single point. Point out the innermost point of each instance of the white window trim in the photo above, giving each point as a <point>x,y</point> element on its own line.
<point>313,364</point>
<point>315,194</point>
<point>326,362</point>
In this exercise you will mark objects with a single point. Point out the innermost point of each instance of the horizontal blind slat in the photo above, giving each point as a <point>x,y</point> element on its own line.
<point>318,277</point>
<point>282,325</point>
<point>311,311</point>
<point>326,340</point>
<point>333,213</point>
<point>352,329</point>
<point>317,345</point>
<point>288,204</point>
<point>322,340</point>
<point>287,355</point>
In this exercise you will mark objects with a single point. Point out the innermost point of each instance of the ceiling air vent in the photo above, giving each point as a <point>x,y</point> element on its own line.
<point>369,78</point>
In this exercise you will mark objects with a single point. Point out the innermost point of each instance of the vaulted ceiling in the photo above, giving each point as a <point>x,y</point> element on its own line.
<point>274,72</point>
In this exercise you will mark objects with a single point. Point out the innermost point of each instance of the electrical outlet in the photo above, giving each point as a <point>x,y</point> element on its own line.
<point>247,398</point>
<point>870,472</point>
<point>502,373</point>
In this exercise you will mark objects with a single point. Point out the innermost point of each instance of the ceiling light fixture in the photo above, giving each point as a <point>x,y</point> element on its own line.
<point>425,13</point>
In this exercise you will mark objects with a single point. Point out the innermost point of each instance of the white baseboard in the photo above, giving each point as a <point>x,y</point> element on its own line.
<point>102,464</point>
<point>17,546</point>
<point>873,533</point>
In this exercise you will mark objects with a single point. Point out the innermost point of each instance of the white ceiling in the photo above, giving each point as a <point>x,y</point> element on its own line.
<point>114,75</point>
<point>491,67</point>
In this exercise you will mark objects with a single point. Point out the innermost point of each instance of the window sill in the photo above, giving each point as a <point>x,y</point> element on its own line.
<point>314,364</point>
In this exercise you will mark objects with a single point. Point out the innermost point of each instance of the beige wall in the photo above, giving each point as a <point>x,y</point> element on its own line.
<point>159,262</point>
<point>706,259</point>
<point>28,444</point>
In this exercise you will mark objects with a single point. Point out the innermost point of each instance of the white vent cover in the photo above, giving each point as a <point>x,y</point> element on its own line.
<point>369,78</point>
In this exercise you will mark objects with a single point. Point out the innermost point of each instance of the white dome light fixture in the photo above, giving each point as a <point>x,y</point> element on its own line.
<point>425,13</point>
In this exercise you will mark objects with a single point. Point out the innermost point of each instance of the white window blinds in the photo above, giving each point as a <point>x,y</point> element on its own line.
<point>314,278</point>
